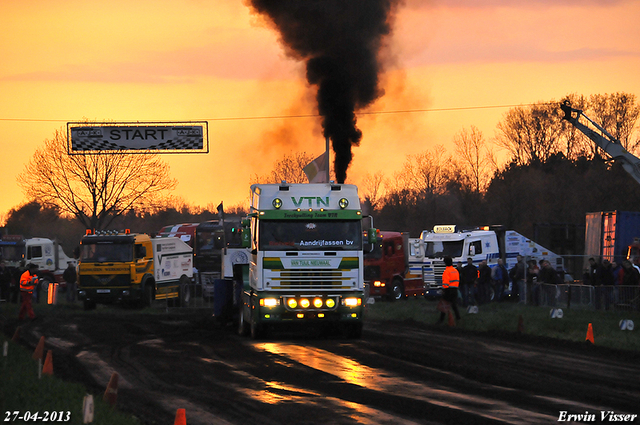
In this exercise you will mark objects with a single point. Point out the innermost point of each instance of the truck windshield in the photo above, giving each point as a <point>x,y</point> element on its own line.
<point>106,252</point>
<point>443,248</point>
<point>13,253</point>
<point>320,235</point>
<point>209,242</point>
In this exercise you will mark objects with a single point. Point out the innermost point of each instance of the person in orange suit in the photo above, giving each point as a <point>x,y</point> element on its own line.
<point>450,283</point>
<point>28,283</point>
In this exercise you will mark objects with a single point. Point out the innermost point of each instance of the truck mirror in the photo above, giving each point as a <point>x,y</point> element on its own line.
<point>372,235</point>
<point>246,238</point>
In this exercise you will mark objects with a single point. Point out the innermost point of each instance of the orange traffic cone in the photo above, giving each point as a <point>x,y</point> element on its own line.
<point>111,393</point>
<point>452,321</point>
<point>47,369</point>
<point>590,334</point>
<point>16,335</point>
<point>181,417</point>
<point>39,351</point>
<point>520,325</point>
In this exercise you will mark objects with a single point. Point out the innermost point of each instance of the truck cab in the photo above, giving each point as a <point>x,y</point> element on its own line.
<point>115,267</point>
<point>386,268</point>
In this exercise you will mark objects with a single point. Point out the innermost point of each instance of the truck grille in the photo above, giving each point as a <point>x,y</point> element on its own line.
<point>97,280</point>
<point>433,275</point>
<point>308,279</point>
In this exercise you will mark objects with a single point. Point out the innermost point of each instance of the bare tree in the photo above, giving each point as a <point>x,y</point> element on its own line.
<point>372,189</point>
<point>288,169</point>
<point>618,114</point>
<point>424,173</point>
<point>475,157</point>
<point>95,188</point>
<point>531,133</point>
<point>574,143</point>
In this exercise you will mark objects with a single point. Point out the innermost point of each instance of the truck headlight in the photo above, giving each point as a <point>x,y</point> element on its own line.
<point>292,303</point>
<point>352,302</point>
<point>317,302</point>
<point>305,303</point>
<point>330,303</point>
<point>343,203</point>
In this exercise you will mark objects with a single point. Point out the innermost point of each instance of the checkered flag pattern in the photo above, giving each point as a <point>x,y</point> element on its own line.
<point>137,137</point>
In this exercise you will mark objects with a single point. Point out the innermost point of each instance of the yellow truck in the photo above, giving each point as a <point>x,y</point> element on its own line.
<point>123,267</point>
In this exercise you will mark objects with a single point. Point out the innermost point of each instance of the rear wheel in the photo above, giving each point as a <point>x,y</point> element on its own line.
<point>44,284</point>
<point>184,292</point>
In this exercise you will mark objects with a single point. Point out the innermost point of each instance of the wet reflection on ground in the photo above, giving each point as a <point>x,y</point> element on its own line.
<point>381,380</point>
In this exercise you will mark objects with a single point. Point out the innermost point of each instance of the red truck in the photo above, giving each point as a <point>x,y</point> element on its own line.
<point>387,270</point>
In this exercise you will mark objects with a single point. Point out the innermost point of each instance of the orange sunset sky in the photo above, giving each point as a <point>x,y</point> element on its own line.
<point>214,60</point>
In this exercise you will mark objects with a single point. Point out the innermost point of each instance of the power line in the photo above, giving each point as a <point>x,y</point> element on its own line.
<point>273,117</point>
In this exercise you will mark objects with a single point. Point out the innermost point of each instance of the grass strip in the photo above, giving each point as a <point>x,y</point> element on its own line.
<point>505,316</point>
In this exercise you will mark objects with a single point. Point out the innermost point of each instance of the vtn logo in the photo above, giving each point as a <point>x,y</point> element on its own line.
<point>320,202</point>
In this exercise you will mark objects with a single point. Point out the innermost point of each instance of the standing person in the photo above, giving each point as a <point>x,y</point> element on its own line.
<point>517,275</point>
<point>28,283</point>
<point>468,279</point>
<point>547,275</point>
<point>500,278</point>
<point>484,282</point>
<point>459,269</point>
<point>5,282</point>
<point>532,282</point>
<point>630,279</point>
<point>450,283</point>
<point>595,280</point>
<point>70,276</point>
<point>608,280</point>
<point>615,269</point>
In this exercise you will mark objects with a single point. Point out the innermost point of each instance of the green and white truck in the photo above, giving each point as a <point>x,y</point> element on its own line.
<point>304,249</point>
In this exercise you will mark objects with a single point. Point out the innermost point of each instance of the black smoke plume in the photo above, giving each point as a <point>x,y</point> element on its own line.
<point>340,41</point>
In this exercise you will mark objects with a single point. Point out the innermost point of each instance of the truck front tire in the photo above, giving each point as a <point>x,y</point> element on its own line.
<point>147,296</point>
<point>397,290</point>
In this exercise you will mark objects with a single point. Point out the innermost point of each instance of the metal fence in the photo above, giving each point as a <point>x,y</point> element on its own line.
<point>585,296</point>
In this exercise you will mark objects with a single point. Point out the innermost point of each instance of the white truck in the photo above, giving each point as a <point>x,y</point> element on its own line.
<point>304,258</point>
<point>481,243</point>
<point>46,253</point>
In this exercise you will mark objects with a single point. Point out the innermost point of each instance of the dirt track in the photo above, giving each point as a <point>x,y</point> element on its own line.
<point>397,373</point>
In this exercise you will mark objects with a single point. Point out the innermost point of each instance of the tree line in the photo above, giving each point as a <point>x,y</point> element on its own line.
<point>553,174</point>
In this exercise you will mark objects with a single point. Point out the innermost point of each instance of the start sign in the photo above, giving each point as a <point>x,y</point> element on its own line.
<point>181,137</point>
